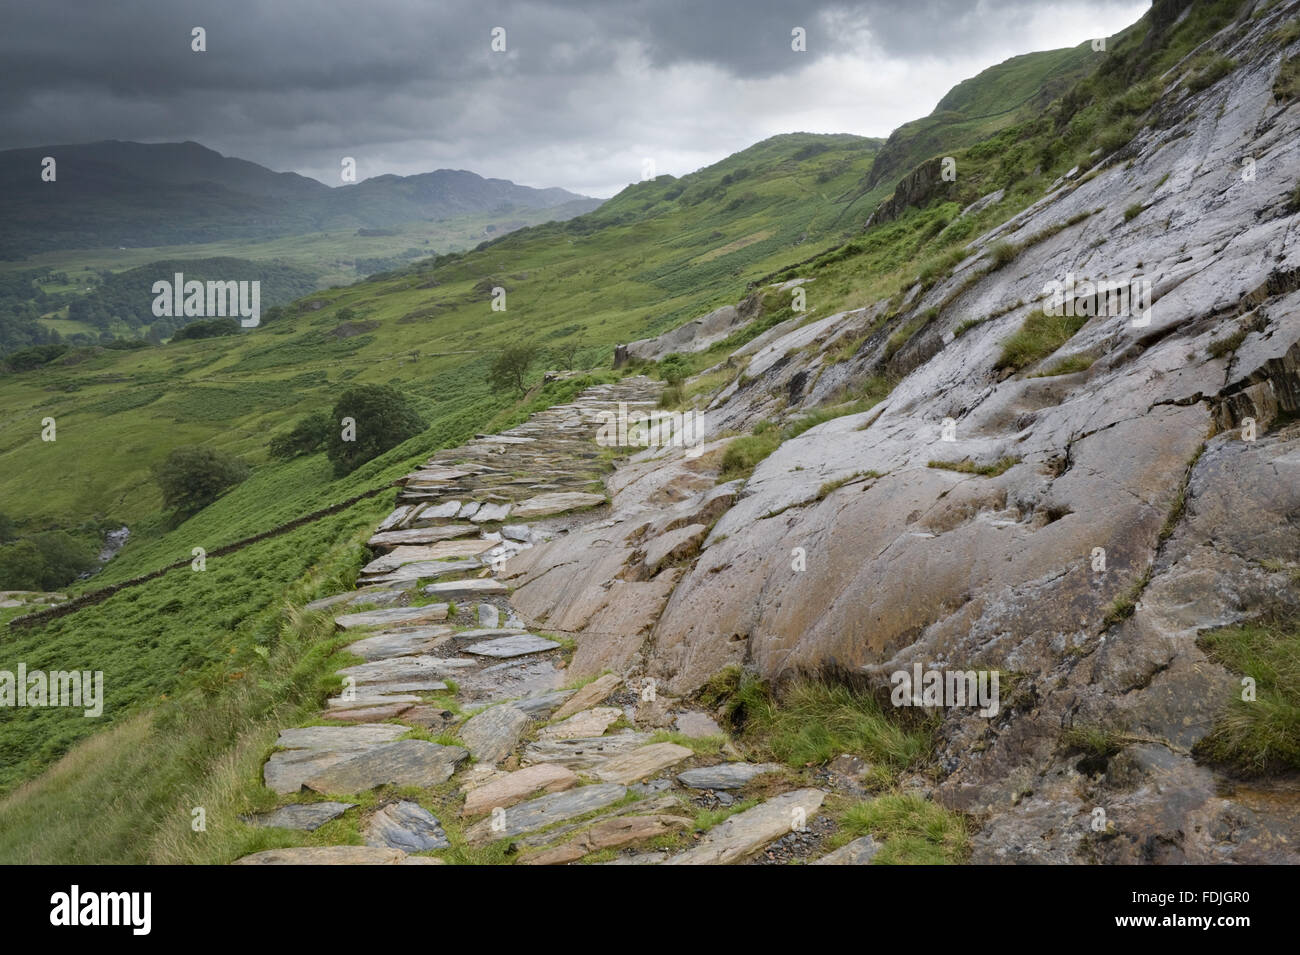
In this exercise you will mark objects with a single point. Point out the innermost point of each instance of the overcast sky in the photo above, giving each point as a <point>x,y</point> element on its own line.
<point>585,92</point>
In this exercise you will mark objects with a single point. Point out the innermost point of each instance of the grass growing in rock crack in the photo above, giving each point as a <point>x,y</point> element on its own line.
<point>913,830</point>
<point>1068,365</point>
<point>1037,338</point>
<point>967,466</point>
<point>1208,69</point>
<point>1227,344</point>
<point>826,489</point>
<point>1287,85</point>
<point>1003,254</point>
<point>810,722</point>
<point>1260,735</point>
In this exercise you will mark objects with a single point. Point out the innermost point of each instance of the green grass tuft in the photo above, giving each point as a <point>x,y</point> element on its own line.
<point>1262,735</point>
<point>967,466</point>
<point>1037,338</point>
<point>914,830</point>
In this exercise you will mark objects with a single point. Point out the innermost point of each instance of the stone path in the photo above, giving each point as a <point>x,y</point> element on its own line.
<point>457,716</point>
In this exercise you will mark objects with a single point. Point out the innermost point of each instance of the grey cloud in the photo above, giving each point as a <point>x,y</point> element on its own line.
<point>410,85</point>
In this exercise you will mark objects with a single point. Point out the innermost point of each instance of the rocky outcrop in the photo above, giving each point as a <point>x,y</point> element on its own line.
<point>918,187</point>
<point>849,551</point>
<point>696,335</point>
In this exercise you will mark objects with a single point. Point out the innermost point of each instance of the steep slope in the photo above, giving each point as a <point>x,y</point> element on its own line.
<point>974,109</point>
<point>1074,502</point>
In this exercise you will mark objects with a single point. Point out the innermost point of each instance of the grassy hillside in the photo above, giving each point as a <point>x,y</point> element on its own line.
<point>573,289</point>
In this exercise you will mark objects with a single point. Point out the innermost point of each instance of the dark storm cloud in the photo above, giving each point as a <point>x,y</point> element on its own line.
<point>585,88</point>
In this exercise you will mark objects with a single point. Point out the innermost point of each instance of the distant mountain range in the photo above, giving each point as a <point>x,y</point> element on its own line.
<point>116,193</point>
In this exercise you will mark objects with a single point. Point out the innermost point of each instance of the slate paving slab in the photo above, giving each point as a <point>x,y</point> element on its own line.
<point>594,692</point>
<point>408,762</point>
<point>642,762</point>
<point>337,738</point>
<point>461,589</point>
<point>558,502</point>
<point>391,615</point>
<point>545,810</point>
<point>858,852</point>
<point>305,751</point>
<point>583,754</point>
<point>725,775</point>
<point>415,641</point>
<point>504,791</point>
<point>369,713</point>
<point>697,725</point>
<point>748,831</point>
<point>609,834</point>
<point>421,535</point>
<point>518,646</point>
<point>307,816</point>
<point>493,733</point>
<point>588,723</point>
<point>418,667</point>
<point>408,826</point>
<point>541,705</point>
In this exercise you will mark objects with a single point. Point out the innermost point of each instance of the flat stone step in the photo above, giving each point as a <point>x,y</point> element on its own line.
<point>544,811</point>
<point>419,553</point>
<point>400,669</point>
<point>858,852</point>
<point>747,832</point>
<point>491,513</point>
<point>307,750</point>
<point>407,826</point>
<point>642,762</point>
<point>516,646</point>
<point>725,775</point>
<point>609,834</point>
<point>377,618</point>
<point>594,692</point>
<point>408,762</point>
<point>559,502</point>
<point>400,643</point>
<point>422,535</point>
<point>493,733</point>
<point>584,725</point>
<point>402,512</point>
<point>305,816</point>
<point>369,700</point>
<point>504,791</point>
<point>369,712</point>
<point>582,754</point>
<point>463,589</point>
